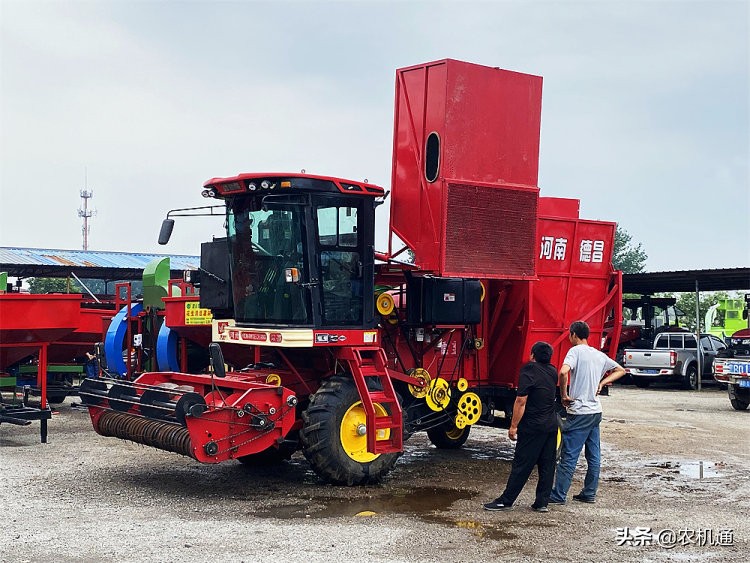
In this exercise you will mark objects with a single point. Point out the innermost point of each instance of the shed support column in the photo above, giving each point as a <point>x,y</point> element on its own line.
<point>698,350</point>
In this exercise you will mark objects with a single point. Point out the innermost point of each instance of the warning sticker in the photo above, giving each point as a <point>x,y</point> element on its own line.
<point>195,315</point>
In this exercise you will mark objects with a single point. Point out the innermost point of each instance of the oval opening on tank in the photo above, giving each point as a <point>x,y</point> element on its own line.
<point>432,157</point>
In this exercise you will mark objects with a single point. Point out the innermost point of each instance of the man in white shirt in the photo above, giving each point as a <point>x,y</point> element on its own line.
<point>589,371</point>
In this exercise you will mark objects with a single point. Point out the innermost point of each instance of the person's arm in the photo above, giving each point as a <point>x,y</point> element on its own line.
<point>519,407</point>
<point>617,372</point>
<point>562,381</point>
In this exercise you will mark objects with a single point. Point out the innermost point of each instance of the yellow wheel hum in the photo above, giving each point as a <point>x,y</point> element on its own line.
<point>273,379</point>
<point>462,385</point>
<point>439,395</point>
<point>424,376</point>
<point>353,432</point>
<point>384,304</point>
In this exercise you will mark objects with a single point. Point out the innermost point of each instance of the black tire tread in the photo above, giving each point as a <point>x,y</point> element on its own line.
<point>320,437</point>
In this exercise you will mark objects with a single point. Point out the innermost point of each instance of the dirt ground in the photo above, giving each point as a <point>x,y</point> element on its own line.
<point>82,497</point>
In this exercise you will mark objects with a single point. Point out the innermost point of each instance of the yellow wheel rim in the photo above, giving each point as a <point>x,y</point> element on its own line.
<point>353,432</point>
<point>455,433</point>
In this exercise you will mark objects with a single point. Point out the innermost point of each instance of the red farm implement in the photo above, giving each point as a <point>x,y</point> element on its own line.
<point>340,351</point>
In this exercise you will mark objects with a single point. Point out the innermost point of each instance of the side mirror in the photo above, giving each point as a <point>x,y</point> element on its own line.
<point>166,231</point>
<point>217,359</point>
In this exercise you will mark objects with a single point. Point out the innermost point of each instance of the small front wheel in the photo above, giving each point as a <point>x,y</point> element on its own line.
<point>448,437</point>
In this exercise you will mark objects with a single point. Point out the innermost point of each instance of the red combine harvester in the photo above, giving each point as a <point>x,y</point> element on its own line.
<point>341,351</point>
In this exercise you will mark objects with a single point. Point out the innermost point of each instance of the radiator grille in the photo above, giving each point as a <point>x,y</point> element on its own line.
<point>490,232</point>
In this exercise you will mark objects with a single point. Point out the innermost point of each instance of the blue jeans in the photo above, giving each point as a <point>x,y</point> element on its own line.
<point>579,430</point>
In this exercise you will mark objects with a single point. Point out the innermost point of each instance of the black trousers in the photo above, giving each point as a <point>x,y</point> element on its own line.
<point>532,448</point>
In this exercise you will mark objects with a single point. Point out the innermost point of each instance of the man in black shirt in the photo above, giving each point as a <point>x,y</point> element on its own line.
<point>534,425</point>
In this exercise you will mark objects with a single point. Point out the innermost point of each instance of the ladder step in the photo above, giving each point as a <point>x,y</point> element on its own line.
<point>384,423</point>
<point>380,397</point>
<point>384,447</point>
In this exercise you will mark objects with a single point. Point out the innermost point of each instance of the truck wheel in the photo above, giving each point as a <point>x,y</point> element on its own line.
<point>739,402</point>
<point>331,436</point>
<point>690,379</point>
<point>642,382</point>
<point>448,437</point>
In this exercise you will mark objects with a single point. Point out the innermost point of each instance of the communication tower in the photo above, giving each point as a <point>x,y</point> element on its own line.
<point>85,213</point>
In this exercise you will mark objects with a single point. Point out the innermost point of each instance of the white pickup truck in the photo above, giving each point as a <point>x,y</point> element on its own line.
<point>674,357</point>
<point>732,366</point>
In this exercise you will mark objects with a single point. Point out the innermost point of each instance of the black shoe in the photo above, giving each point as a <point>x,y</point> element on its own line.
<point>497,505</point>
<point>581,498</point>
<point>553,501</point>
<point>539,508</point>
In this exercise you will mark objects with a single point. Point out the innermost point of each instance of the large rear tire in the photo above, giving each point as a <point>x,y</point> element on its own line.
<point>332,440</point>
<point>448,437</point>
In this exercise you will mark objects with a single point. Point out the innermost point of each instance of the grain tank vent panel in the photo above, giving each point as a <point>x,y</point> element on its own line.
<point>490,232</point>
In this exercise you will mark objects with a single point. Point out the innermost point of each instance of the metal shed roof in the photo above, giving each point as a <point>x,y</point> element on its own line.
<point>56,263</point>
<point>648,283</point>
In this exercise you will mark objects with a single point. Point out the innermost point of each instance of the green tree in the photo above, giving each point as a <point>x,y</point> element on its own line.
<point>54,285</point>
<point>626,256</point>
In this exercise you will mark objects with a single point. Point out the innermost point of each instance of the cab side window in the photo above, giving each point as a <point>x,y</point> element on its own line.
<point>340,265</point>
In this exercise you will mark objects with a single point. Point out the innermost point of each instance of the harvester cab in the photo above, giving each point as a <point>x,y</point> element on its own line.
<point>298,252</point>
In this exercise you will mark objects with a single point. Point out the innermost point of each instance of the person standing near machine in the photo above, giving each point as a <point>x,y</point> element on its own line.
<point>534,425</point>
<point>589,371</point>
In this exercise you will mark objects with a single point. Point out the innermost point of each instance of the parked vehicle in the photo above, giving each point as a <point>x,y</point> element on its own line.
<point>732,365</point>
<point>726,317</point>
<point>674,357</point>
<point>642,319</point>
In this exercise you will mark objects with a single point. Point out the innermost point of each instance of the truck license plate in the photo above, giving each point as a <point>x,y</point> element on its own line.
<point>650,371</point>
<point>744,382</point>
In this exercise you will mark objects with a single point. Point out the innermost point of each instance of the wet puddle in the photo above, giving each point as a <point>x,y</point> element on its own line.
<point>413,502</point>
<point>427,503</point>
<point>692,469</point>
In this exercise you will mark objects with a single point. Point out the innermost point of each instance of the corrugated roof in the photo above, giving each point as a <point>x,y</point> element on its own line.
<point>723,279</point>
<point>49,262</point>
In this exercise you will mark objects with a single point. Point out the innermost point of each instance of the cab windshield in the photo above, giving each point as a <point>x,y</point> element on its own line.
<point>263,244</point>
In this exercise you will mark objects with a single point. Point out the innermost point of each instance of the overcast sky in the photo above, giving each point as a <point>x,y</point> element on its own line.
<point>645,109</point>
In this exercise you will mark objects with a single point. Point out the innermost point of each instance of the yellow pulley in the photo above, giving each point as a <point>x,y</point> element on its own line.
<point>384,304</point>
<point>462,384</point>
<point>424,376</point>
<point>439,394</point>
<point>484,291</point>
<point>273,379</point>
<point>479,343</point>
<point>461,421</point>
<point>470,407</point>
